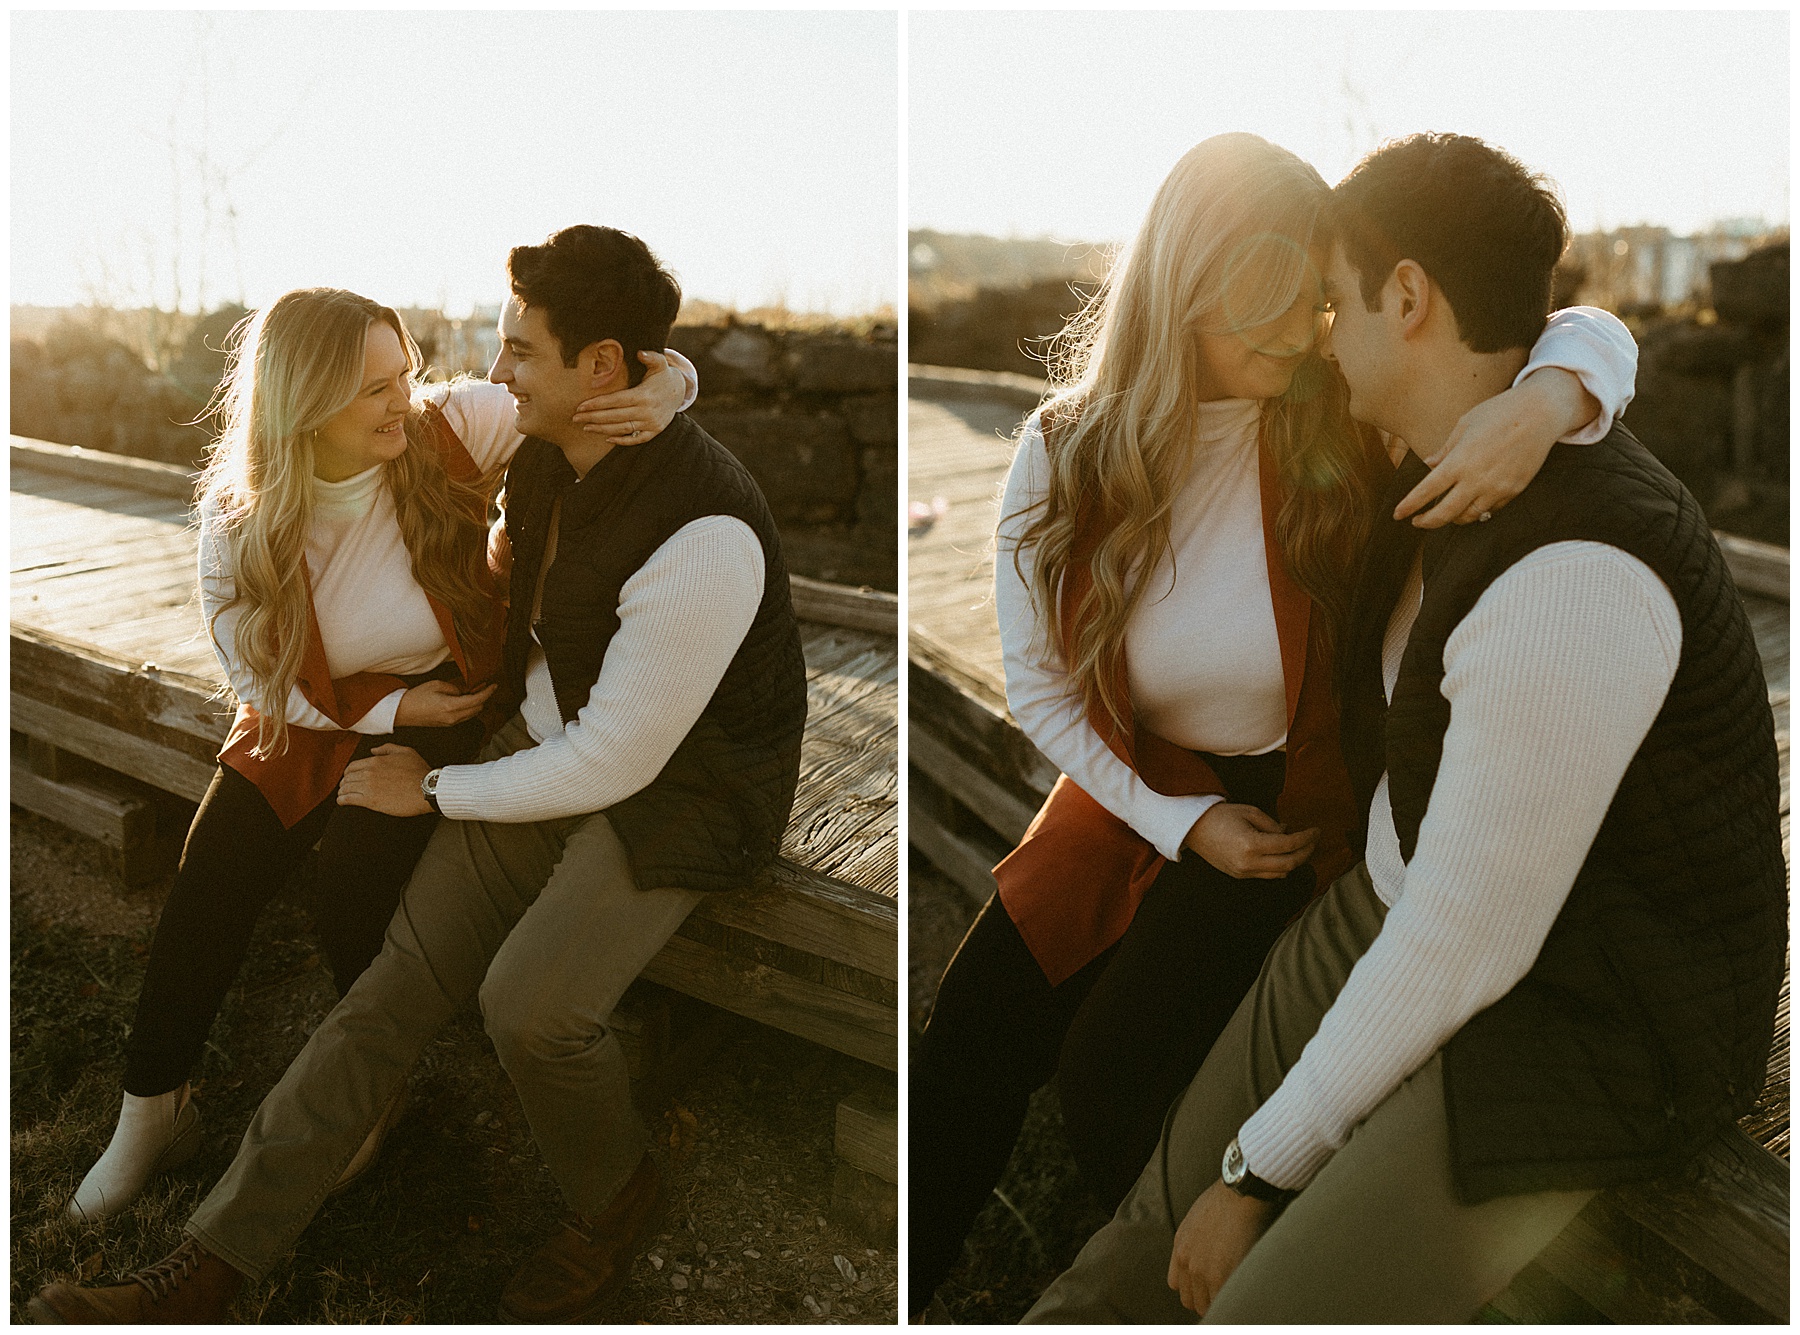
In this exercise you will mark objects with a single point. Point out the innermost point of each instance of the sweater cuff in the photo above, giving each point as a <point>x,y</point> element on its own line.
<point>1280,1144</point>
<point>379,721</point>
<point>1174,818</point>
<point>459,792</point>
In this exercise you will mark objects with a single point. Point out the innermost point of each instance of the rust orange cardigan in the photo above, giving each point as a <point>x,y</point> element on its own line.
<point>1076,879</point>
<point>305,774</point>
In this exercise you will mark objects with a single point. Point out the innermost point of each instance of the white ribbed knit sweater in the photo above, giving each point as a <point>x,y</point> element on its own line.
<point>1553,679</point>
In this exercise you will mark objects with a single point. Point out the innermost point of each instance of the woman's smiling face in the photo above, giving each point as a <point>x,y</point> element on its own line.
<point>371,429</point>
<point>1258,361</point>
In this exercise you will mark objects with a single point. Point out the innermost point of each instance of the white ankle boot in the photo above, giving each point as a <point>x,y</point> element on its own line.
<point>154,1135</point>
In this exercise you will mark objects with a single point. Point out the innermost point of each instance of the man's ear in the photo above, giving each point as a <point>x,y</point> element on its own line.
<point>601,362</point>
<point>1414,296</point>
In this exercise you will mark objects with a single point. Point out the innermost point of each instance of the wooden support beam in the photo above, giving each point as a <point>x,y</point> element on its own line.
<point>865,1193</point>
<point>1002,811</point>
<point>863,1028</point>
<point>126,824</point>
<point>868,1129</point>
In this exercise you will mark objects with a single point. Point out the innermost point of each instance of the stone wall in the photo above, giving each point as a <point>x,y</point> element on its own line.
<point>997,328</point>
<point>1712,399</point>
<point>811,412</point>
<point>814,416</point>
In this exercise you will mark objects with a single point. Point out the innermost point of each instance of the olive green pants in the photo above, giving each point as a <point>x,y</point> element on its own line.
<point>1378,1235</point>
<point>543,924</point>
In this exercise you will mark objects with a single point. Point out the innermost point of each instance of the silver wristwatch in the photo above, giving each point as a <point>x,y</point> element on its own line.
<point>428,786</point>
<point>1236,1174</point>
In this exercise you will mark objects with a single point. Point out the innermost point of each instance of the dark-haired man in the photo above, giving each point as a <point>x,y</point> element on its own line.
<point>1557,966</point>
<point>653,677</point>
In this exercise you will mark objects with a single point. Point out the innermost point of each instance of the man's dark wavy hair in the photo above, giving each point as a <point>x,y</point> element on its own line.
<point>596,283</point>
<point>1484,228</point>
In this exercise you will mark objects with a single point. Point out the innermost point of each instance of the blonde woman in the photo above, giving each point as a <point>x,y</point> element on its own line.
<point>1178,538</point>
<point>345,584</point>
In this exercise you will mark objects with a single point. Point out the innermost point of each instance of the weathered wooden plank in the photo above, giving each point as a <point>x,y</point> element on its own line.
<point>840,605</point>
<point>133,697</point>
<point>171,770</point>
<point>868,1130</point>
<point>864,1029</point>
<point>967,864</point>
<point>845,821</point>
<point>968,715</point>
<point>115,819</point>
<point>1758,567</point>
<point>99,466</point>
<point>813,913</point>
<point>1729,1217</point>
<point>1003,812</point>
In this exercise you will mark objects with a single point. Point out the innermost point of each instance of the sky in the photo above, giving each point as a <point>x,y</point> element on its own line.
<point>1064,123</point>
<point>402,154</point>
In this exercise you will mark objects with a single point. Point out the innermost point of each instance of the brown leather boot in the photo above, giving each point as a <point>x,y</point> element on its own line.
<point>190,1286</point>
<point>574,1275</point>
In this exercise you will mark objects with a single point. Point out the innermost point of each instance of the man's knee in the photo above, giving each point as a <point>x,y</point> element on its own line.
<point>529,1027</point>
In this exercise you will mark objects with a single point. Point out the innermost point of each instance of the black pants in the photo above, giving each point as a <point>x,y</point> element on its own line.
<point>1122,1037</point>
<point>236,857</point>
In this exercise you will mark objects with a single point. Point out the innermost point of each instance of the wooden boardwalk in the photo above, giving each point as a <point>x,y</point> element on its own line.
<point>1711,1249</point>
<point>110,663</point>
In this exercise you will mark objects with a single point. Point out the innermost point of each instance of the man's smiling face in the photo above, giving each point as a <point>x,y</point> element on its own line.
<point>545,392</point>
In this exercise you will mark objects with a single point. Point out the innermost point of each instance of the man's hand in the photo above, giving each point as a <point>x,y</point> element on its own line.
<point>1218,1233</point>
<point>438,704</point>
<point>633,416</point>
<point>1248,843</point>
<point>388,782</point>
<point>1497,447</point>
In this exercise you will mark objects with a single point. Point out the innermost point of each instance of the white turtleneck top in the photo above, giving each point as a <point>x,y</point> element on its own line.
<point>1202,654</point>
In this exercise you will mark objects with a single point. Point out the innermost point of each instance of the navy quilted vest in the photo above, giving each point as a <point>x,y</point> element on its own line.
<point>714,817</point>
<point>1645,1024</point>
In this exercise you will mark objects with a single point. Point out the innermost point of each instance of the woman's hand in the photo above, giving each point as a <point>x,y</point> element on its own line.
<point>1248,843</point>
<point>438,704</point>
<point>633,416</point>
<point>1214,1238</point>
<point>1497,447</point>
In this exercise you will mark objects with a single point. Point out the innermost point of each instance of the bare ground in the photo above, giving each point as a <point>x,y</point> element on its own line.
<point>459,1197</point>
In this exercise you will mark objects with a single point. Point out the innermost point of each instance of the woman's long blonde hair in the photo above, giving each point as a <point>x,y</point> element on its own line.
<point>1224,248</point>
<point>293,366</point>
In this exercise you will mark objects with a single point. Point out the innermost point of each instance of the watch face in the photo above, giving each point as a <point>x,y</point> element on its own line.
<point>1233,1169</point>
